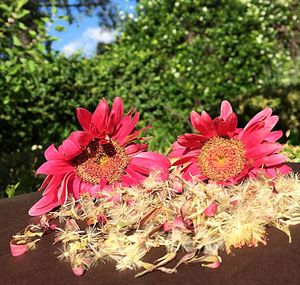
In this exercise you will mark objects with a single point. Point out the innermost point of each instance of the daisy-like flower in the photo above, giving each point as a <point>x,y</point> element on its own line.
<point>101,157</point>
<point>222,153</point>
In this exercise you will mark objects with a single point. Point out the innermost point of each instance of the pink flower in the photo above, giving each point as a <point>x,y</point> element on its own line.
<point>102,156</point>
<point>222,153</point>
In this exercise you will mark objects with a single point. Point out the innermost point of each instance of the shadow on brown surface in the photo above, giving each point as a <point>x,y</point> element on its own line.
<point>276,263</point>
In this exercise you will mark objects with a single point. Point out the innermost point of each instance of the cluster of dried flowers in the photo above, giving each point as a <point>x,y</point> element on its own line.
<point>118,201</point>
<point>203,220</point>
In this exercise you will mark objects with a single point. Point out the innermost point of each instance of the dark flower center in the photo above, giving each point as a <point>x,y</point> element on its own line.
<point>98,161</point>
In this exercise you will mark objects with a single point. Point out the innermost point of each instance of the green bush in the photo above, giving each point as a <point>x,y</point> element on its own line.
<point>179,55</point>
<point>292,153</point>
<point>173,57</point>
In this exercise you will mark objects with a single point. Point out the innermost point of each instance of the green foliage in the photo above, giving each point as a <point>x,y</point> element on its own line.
<point>17,172</point>
<point>174,56</point>
<point>11,190</point>
<point>292,153</point>
<point>179,55</point>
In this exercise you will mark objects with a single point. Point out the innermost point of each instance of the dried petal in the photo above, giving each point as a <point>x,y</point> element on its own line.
<point>211,210</point>
<point>17,249</point>
<point>78,271</point>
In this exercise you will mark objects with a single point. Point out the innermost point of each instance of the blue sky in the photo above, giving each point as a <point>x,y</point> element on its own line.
<point>85,33</point>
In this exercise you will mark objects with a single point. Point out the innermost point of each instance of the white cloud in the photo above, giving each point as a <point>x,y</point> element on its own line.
<point>99,35</point>
<point>71,48</point>
<point>88,40</point>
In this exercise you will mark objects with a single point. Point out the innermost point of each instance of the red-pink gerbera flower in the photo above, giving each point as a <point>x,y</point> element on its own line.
<point>99,158</point>
<point>225,154</point>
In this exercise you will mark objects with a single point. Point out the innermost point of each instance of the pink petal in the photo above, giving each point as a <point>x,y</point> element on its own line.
<point>271,122</point>
<point>143,170</point>
<point>84,117</point>
<point>222,129</point>
<point>211,210</point>
<point>127,180</point>
<point>133,136</point>
<point>126,129</point>
<point>273,136</point>
<point>100,117</point>
<point>124,122</point>
<point>55,167</point>
<point>191,171</point>
<point>245,132</point>
<point>51,153</point>
<point>255,137</point>
<point>284,169</point>
<point>194,117</point>
<point>210,261</point>
<point>232,121</point>
<point>102,219</point>
<point>69,149</point>
<point>85,187</point>
<point>46,200</point>
<point>116,198</point>
<point>185,159</point>
<point>238,178</point>
<point>271,172</point>
<point>226,109</point>
<point>192,152</point>
<point>66,188</point>
<point>262,115</point>
<point>135,148</point>
<point>54,184</point>
<point>269,160</point>
<point>203,124</point>
<point>80,138</point>
<point>178,150</point>
<point>186,175</point>
<point>191,140</point>
<point>17,249</point>
<point>76,187</point>
<point>118,110</point>
<point>154,166</point>
<point>179,223</point>
<point>177,185</point>
<point>154,156</point>
<point>214,265</point>
<point>94,190</point>
<point>167,226</point>
<point>53,227</point>
<point>45,182</point>
<point>263,149</point>
<point>135,174</point>
<point>102,183</point>
<point>78,271</point>
<point>44,205</point>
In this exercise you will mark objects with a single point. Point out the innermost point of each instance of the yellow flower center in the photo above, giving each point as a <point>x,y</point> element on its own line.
<point>222,158</point>
<point>98,161</point>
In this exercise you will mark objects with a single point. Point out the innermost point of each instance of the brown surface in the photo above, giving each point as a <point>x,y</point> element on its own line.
<point>276,263</point>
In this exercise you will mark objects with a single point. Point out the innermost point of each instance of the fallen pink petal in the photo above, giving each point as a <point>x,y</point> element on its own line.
<point>211,210</point>
<point>78,271</point>
<point>17,249</point>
